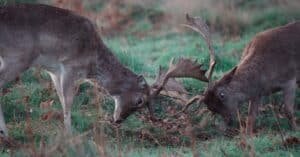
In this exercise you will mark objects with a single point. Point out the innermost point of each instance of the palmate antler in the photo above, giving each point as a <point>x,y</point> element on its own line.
<point>199,25</point>
<point>173,88</point>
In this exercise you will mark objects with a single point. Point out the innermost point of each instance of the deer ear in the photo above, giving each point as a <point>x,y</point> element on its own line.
<point>228,77</point>
<point>141,81</point>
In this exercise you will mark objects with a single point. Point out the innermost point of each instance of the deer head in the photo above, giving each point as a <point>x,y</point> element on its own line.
<point>134,98</point>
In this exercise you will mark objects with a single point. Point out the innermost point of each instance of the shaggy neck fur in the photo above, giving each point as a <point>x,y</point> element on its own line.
<point>111,74</point>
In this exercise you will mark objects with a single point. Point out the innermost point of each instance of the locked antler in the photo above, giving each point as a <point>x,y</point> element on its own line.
<point>183,68</point>
<point>188,68</point>
<point>166,84</point>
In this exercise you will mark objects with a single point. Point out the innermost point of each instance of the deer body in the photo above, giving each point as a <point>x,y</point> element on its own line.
<point>270,63</point>
<point>69,48</point>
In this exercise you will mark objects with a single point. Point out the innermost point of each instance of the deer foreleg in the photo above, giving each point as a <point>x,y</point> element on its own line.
<point>252,113</point>
<point>289,94</point>
<point>64,82</point>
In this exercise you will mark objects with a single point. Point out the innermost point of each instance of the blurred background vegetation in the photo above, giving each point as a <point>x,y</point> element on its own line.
<point>144,34</point>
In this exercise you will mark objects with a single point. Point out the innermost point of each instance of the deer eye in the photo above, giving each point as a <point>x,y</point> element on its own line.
<point>222,95</point>
<point>139,102</point>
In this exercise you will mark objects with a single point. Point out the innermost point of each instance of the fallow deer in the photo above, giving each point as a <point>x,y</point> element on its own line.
<point>69,48</point>
<point>270,63</point>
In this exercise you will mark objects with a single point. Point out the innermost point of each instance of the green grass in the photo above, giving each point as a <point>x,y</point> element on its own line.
<point>265,145</point>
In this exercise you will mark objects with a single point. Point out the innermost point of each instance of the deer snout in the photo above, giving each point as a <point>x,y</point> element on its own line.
<point>118,121</point>
<point>117,118</point>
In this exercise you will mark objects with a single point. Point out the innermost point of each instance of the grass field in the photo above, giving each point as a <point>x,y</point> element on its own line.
<point>40,135</point>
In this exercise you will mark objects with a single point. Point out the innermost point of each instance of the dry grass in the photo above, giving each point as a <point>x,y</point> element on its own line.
<point>230,17</point>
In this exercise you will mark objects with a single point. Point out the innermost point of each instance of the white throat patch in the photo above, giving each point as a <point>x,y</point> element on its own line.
<point>117,107</point>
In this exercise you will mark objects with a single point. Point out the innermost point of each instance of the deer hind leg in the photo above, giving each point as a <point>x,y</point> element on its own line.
<point>65,83</point>
<point>3,129</point>
<point>289,94</point>
<point>252,113</point>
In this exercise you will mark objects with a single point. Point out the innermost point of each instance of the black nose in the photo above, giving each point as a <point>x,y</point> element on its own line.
<point>118,121</point>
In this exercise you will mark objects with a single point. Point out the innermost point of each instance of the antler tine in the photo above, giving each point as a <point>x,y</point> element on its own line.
<point>160,81</point>
<point>198,98</point>
<point>199,25</point>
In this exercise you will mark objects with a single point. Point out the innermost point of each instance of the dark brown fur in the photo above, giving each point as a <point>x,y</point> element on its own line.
<point>270,62</point>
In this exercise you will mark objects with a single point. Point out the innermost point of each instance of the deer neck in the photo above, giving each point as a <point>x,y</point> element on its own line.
<point>111,74</point>
<point>246,85</point>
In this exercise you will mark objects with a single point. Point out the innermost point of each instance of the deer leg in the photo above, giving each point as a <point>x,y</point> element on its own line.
<point>289,94</point>
<point>252,113</point>
<point>64,82</point>
<point>3,129</point>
